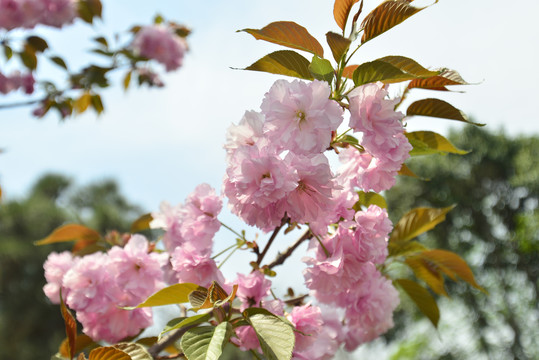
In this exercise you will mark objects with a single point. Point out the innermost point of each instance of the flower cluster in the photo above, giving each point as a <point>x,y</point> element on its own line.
<point>17,81</point>
<point>29,13</point>
<point>160,43</point>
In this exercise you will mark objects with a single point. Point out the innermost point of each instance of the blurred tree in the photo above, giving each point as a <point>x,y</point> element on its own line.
<point>29,325</point>
<point>495,227</point>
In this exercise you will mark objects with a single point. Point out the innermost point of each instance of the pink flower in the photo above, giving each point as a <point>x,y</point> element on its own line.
<point>169,218</point>
<point>307,319</point>
<point>56,265</point>
<point>17,81</point>
<point>252,289</point>
<point>138,273</point>
<point>58,12</point>
<point>29,13</point>
<point>246,339</point>
<point>194,267</point>
<point>300,116</point>
<point>247,132</point>
<point>372,233</point>
<point>161,44</point>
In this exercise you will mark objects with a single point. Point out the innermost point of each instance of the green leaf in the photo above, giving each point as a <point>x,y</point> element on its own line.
<point>338,44</point>
<point>183,322</point>
<point>28,57</point>
<point>341,11</point>
<point>439,82</point>
<point>385,16</point>
<point>58,61</point>
<point>428,142</point>
<point>321,69</point>
<point>289,34</point>
<point>369,198</point>
<point>438,108</point>
<point>284,62</point>
<point>174,294</point>
<point>416,222</point>
<point>142,223</point>
<point>101,40</point>
<point>427,271</point>
<point>409,66</point>
<point>206,342</point>
<point>276,336</point>
<point>422,298</point>
<point>97,103</point>
<point>70,232</point>
<point>37,43</point>
<point>8,52</point>
<point>108,353</point>
<point>406,171</point>
<point>452,265</point>
<point>405,248</point>
<point>379,70</point>
<point>89,9</point>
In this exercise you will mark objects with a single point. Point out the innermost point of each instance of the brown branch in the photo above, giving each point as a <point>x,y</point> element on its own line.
<point>270,241</point>
<point>154,350</point>
<point>281,257</point>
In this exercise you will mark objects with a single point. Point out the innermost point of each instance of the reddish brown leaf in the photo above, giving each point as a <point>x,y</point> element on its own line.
<point>289,34</point>
<point>338,45</point>
<point>438,108</point>
<point>348,72</point>
<point>82,341</point>
<point>71,328</point>
<point>341,11</point>
<point>429,272</point>
<point>70,232</point>
<point>438,82</point>
<point>108,353</point>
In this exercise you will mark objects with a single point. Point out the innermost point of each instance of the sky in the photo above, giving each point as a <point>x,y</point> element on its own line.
<point>160,143</point>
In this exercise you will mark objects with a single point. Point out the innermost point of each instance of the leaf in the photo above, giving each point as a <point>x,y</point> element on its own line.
<point>206,342</point>
<point>70,232</point>
<point>101,40</point>
<point>422,298</point>
<point>283,62</point>
<point>321,69</point>
<point>405,248</point>
<point>341,11</point>
<point>174,294</point>
<point>348,72</point>
<point>28,57</point>
<point>437,108</point>
<point>58,61</point>
<point>385,16</point>
<point>369,198</point>
<point>37,43</point>
<point>70,327</point>
<point>452,265</point>
<point>142,223</point>
<point>276,336</point>
<point>439,82</point>
<point>428,272</point>
<point>428,142</point>
<point>127,79</point>
<point>178,323</point>
<point>97,103</point>
<point>200,299</point>
<point>82,103</point>
<point>108,353</point>
<point>135,351</point>
<point>8,52</point>
<point>89,9</point>
<point>338,44</point>
<point>416,222</point>
<point>405,171</point>
<point>409,66</point>
<point>379,70</point>
<point>289,34</point>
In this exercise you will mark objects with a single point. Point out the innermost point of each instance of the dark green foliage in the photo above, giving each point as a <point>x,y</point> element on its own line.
<point>495,228</point>
<point>30,327</point>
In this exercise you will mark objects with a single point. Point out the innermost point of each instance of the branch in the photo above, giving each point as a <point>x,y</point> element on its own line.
<point>154,350</point>
<point>270,241</point>
<point>281,258</point>
<point>20,104</point>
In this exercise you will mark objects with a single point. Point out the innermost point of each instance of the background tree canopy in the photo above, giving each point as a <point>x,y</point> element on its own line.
<point>495,227</point>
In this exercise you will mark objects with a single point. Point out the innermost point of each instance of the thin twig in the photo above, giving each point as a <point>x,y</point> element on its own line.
<point>20,104</point>
<point>280,259</point>
<point>154,350</point>
<point>270,241</point>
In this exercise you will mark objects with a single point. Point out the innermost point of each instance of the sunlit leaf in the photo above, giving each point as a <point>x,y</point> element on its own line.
<point>28,57</point>
<point>70,327</point>
<point>385,16</point>
<point>289,34</point>
<point>284,62</point>
<point>338,44</point>
<point>452,265</point>
<point>173,294</point>
<point>405,248</point>
<point>70,232</point>
<point>142,223</point>
<point>127,79</point>
<point>200,299</point>
<point>276,336</point>
<point>321,69</point>
<point>83,102</point>
<point>405,171</point>
<point>341,11</point>
<point>369,198</point>
<point>378,70</point>
<point>438,108</point>
<point>206,342</point>
<point>409,66</point>
<point>417,221</point>
<point>422,298</point>
<point>427,271</point>
<point>108,353</point>
<point>438,82</point>
<point>135,351</point>
<point>183,322</point>
<point>428,142</point>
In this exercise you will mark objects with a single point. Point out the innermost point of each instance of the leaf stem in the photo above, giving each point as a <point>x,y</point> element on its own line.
<point>232,230</point>
<point>224,251</point>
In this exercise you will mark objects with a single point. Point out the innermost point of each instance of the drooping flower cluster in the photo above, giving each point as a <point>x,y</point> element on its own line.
<point>29,13</point>
<point>97,285</point>
<point>17,81</point>
<point>160,43</point>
